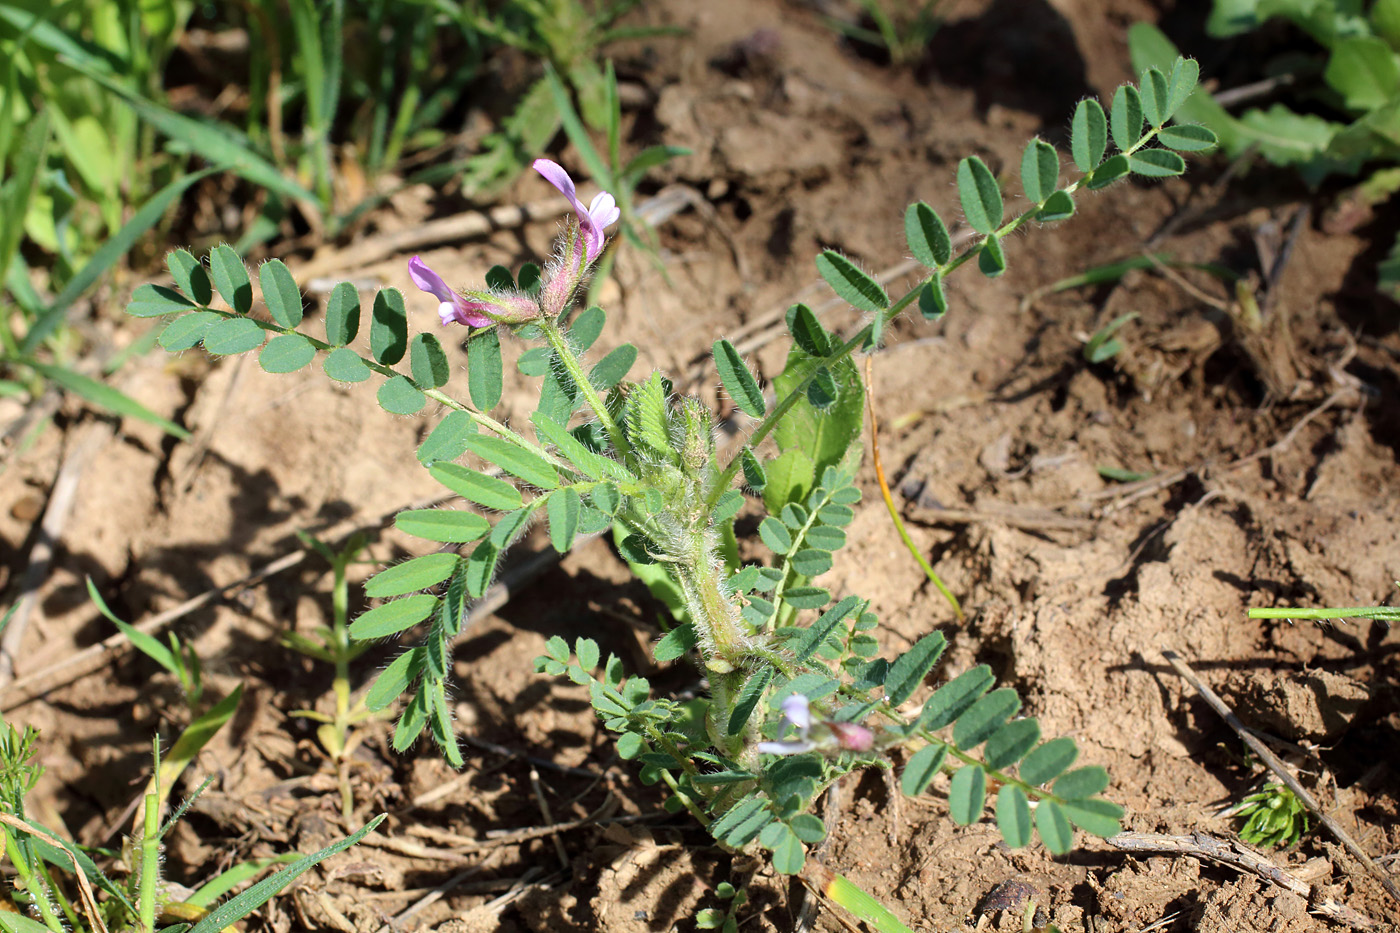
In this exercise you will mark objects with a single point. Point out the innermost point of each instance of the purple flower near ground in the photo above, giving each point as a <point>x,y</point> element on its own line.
<point>797,710</point>
<point>592,220</point>
<point>452,308</point>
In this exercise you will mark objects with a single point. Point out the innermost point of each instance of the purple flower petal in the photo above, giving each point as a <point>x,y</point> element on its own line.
<point>852,736</point>
<point>592,220</point>
<point>796,747</point>
<point>798,711</point>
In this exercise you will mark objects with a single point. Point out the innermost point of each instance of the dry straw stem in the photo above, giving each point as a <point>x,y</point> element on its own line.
<point>1238,855</point>
<point>1277,767</point>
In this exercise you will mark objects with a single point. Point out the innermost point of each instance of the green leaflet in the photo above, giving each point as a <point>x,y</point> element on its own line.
<point>487,491</point>
<point>515,460</point>
<point>342,314</point>
<point>1040,170</point>
<point>738,381</point>
<point>927,236</point>
<point>388,327</point>
<point>485,370</point>
<point>428,362</point>
<point>980,195</point>
<point>280,293</point>
<point>1088,135</point>
<point>231,278</point>
<point>854,287</point>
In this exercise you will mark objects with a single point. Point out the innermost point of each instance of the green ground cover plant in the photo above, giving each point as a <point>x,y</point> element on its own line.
<point>798,694</point>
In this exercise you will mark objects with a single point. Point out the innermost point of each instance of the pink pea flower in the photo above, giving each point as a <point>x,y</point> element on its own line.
<point>475,308</point>
<point>592,220</point>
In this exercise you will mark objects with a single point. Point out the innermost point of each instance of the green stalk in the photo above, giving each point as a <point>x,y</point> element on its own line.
<point>560,345</point>
<point>340,632</point>
<point>1377,613</point>
<point>150,865</point>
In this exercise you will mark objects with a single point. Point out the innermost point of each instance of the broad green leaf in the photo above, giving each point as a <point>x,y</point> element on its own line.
<point>485,370</point>
<point>1156,163</point>
<point>807,597</point>
<point>1088,135</point>
<point>755,477</point>
<point>910,668</point>
<point>443,525</point>
<point>516,460</point>
<point>1048,761</point>
<point>411,576</point>
<point>187,331</point>
<point>1081,783</point>
<point>345,365</point>
<point>487,491</point>
<point>102,394</point>
<point>675,643</point>
<point>826,538</point>
<point>613,368</point>
<point>1014,816</point>
<point>738,381</point>
<point>1059,206</point>
<point>586,328</point>
<point>342,314</point>
<point>1110,171</point>
<point>807,332</point>
<point>1156,97</point>
<point>1125,117</point>
<point>854,287</point>
<point>280,293</point>
<point>388,327</point>
<point>231,278</point>
<point>448,440</point>
<point>927,236</point>
<point>933,303</point>
<point>562,510</point>
<point>1098,817</point>
<point>1053,826</point>
<point>189,276</point>
<point>1040,170</point>
<point>157,300</point>
<point>587,651</point>
<point>967,795</point>
<point>991,261</point>
<point>953,698</point>
<point>393,617</point>
<point>922,768</point>
<point>428,361</point>
<point>980,195</point>
<point>836,514</point>
<point>812,440</point>
<point>244,903</point>
<point>810,562</point>
<point>398,396</point>
<point>985,717</point>
<point>394,680</point>
<point>286,353</point>
<point>1008,744</point>
<point>775,535</point>
<point>1187,137</point>
<point>233,335</point>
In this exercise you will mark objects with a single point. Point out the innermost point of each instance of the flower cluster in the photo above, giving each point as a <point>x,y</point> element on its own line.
<point>580,247</point>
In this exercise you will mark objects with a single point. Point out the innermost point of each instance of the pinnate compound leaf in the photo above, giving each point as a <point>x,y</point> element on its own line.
<point>922,768</point>
<point>1011,742</point>
<point>911,667</point>
<point>448,440</point>
<point>1088,135</point>
<point>1014,816</point>
<point>985,717</point>
<point>806,644</point>
<point>927,236</point>
<point>1125,117</point>
<point>1156,163</point>
<point>515,460</point>
<point>980,195</point>
<point>187,331</point>
<point>738,381</point>
<point>1110,171</point>
<point>399,396</point>
<point>1059,206</point>
<point>411,576</point>
<point>393,617</point>
<point>563,510</point>
<point>967,795</point>
<point>157,301</point>
<point>1156,97</point>
<point>1187,137</point>
<point>991,261</point>
<point>953,698</point>
<point>933,303</point>
<point>485,370</point>
<point>443,525</point>
<point>189,276</point>
<point>428,361</point>
<point>1040,170</point>
<point>342,314</point>
<point>487,491</point>
<point>1081,783</point>
<point>286,353</point>
<point>233,335</point>
<point>231,278</point>
<point>1049,761</point>
<point>394,680</point>
<point>742,823</point>
<point>388,326</point>
<point>280,293</point>
<point>1053,826</point>
<point>854,287</point>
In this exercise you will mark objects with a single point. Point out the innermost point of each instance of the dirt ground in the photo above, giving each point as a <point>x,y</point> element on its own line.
<point>1270,465</point>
